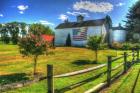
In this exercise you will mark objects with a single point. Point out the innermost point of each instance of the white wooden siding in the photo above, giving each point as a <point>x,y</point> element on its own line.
<point>61,35</point>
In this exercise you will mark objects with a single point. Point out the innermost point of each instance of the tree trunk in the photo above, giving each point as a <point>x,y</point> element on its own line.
<point>96,55</point>
<point>35,63</point>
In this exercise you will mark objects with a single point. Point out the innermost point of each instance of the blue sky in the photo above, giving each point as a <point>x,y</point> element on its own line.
<point>53,12</point>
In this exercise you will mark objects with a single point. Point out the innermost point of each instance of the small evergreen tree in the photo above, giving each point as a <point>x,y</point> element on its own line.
<point>94,44</point>
<point>68,40</point>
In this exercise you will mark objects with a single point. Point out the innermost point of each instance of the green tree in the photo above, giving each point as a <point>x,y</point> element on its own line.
<point>68,40</point>
<point>94,44</point>
<point>41,29</point>
<point>23,29</point>
<point>4,34</point>
<point>33,45</point>
<point>133,21</point>
<point>13,28</point>
<point>0,30</point>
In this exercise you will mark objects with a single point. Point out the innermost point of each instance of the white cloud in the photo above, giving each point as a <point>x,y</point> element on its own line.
<point>63,17</point>
<point>1,15</point>
<point>21,12</point>
<point>120,4</point>
<point>78,13</point>
<point>22,8</point>
<point>44,22</point>
<point>93,7</point>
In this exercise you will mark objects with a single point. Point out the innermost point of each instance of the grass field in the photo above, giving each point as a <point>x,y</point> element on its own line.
<point>14,68</point>
<point>126,83</point>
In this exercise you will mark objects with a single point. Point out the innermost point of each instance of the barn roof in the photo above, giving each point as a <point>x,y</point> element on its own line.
<point>97,22</point>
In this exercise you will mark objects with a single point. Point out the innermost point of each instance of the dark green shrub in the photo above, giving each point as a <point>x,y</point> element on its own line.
<point>68,40</point>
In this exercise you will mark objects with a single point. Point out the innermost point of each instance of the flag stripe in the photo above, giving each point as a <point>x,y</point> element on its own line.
<point>80,34</point>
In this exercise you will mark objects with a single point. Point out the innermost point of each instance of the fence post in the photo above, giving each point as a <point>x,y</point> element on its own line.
<point>50,79</point>
<point>133,56</point>
<point>109,70</point>
<point>137,55</point>
<point>125,62</point>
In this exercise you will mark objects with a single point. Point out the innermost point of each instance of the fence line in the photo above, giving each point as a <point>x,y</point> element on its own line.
<point>50,76</point>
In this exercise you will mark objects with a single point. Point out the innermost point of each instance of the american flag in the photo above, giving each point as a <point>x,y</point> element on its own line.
<point>80,34</point>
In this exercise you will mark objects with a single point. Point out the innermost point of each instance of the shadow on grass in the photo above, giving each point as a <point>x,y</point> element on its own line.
<point>13,78</point>
<point>84,62</point>
<point>123,82</point>
<point>70,87</point>
<point>135,83</point>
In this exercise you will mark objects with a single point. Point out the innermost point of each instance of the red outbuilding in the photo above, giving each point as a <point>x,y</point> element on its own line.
<point>49,38</point>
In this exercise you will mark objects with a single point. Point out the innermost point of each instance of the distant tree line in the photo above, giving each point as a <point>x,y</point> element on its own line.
<point>13,31</point>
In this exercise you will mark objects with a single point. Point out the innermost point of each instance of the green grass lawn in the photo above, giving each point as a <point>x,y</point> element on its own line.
<point>64,60</point>
<point>125,83</point>
<point>14,68</point>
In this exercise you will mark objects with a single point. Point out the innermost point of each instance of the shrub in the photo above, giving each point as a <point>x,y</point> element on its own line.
<point>116,45</point>
<point>103,46</point>
<point>68,40</point>
<point>137,45</point>
<point>127,46</point>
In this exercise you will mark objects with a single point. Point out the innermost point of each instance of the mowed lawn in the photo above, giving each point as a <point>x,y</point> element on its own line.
<point>15,68</point>
<point>126,83</point>
<point>64,59</point>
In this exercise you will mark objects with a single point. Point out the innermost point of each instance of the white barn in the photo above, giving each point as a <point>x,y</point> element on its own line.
<point>79,31</point>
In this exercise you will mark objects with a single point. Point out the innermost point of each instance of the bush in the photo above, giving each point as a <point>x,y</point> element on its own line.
<point>125,46</point>
<point>103,46</point>
<point>137,45</point>
<point>116,45</point>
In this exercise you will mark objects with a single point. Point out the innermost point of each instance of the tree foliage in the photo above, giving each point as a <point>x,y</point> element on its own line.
<point>94,44</point>
<point>4,34</point>
<point>40,29</point>
<point>32,45</point>
<point>133,20</point>
<point>22,26</point>
<point>13,28</point>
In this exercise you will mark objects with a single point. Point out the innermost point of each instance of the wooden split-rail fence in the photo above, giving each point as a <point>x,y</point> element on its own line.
<point>126,65</point>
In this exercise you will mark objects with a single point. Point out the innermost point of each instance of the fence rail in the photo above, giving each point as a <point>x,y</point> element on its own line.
<point>80,71</point>
<point>118,66</point>
<point>135,58</point>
